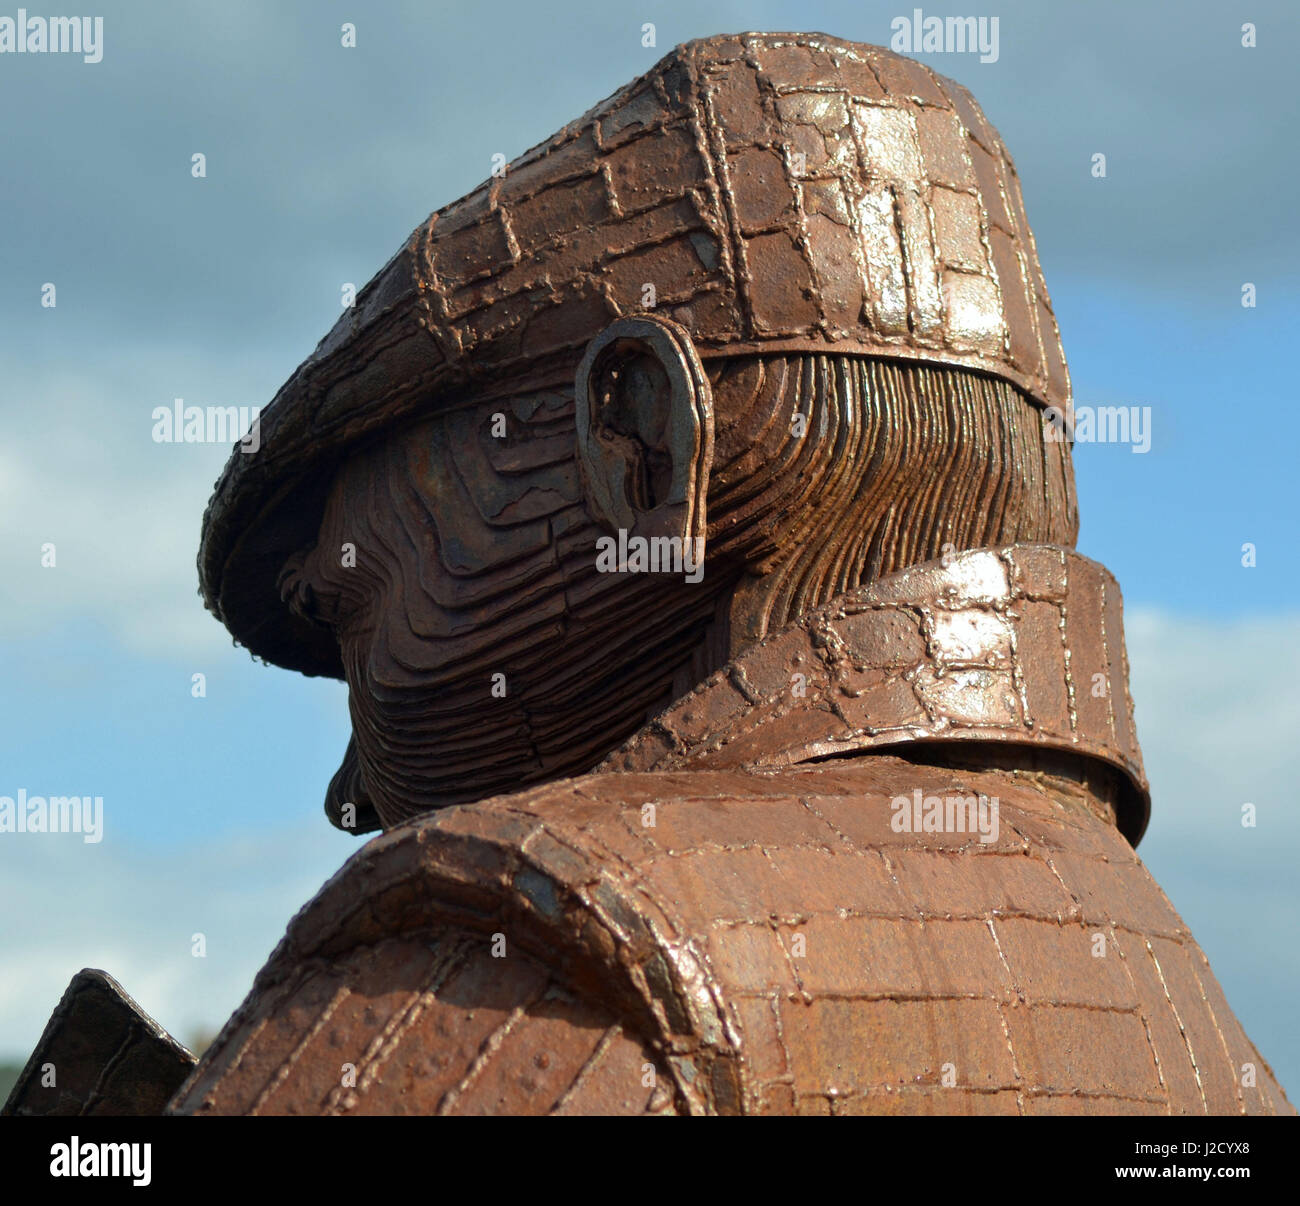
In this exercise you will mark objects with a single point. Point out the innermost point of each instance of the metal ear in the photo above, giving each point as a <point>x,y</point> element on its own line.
<point>644,415</point>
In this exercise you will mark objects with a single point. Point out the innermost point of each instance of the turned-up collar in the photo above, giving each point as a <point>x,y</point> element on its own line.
<point>1022,645</point>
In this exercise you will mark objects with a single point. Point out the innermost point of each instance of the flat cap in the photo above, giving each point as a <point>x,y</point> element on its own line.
<point>769,192</point>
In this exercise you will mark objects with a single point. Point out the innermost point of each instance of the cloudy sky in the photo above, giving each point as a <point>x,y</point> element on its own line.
<point>320,160</point>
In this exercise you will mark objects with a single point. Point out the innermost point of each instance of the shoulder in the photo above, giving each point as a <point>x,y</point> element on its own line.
<point>568,924</point>
<point>488,958</point>
<point>731,941</point>
<point>439,1021</point>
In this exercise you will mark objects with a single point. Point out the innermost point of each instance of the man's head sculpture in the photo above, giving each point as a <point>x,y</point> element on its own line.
<point>778,297</point>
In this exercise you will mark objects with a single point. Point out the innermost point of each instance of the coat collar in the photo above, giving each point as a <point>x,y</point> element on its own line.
<point>1022,645</point>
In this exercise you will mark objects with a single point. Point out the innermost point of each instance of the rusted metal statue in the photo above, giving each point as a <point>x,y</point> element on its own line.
<point>834,812</point>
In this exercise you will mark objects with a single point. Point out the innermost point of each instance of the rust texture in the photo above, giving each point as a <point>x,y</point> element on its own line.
<point>1005,645</point>
<point>100,1054</point>
<point>842,823</point>
<point>782,192</point>
<point>490,543</point>
<point>918,951</point>
<point>726,926</point>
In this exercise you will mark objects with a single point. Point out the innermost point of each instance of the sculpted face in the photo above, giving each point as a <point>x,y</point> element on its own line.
<point>457,561</point>
<point>483,647</point>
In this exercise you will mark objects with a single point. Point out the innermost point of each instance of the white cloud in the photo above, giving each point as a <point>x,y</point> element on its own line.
<point>1217,704</point>
<point>134,913</point>
<point>122,512</point>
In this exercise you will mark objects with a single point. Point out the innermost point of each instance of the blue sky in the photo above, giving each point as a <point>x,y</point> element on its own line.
<point>320,162</point>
